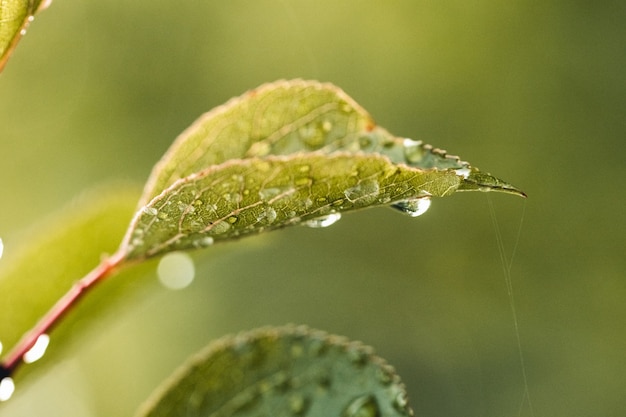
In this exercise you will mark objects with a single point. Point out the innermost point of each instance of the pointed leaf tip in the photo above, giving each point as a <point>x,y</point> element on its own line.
<point>475,180</point>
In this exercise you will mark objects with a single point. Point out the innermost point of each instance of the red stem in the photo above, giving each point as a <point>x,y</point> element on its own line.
<point>61,308</point>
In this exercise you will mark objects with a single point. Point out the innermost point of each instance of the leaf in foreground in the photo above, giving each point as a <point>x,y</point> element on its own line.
<point>289,371</point>
<point>252,195</point>
<point>291,117</point>
<point>286,153</point>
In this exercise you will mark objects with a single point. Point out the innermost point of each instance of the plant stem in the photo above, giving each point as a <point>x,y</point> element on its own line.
<point>15,357</point>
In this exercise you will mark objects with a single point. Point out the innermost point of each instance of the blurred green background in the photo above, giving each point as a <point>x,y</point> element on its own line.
<point>533,92</point>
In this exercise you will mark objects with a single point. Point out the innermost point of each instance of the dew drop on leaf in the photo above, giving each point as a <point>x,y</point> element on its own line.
<point>7,388</point>
<point>365,406</point>
<point>176,270</point>
<point>323,221</point>
<point>401,401</point>
<point>414,207</point>
<point>413,150</point>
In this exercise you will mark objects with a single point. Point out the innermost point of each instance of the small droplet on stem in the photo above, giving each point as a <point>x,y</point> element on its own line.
<point>7,388</point>
<point>38,350</point>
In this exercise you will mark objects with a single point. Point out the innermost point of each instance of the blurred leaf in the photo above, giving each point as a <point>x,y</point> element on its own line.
<point>50,258</point>
<point>288,371</point>
<point>15,16</point>
<point>248,196</point>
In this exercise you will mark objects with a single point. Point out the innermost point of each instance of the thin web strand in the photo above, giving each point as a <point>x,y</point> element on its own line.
<point>507,264</point>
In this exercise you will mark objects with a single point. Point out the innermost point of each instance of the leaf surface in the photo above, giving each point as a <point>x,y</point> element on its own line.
<point>285,153</point>
<point>248,196</point>
<point>288,117</point>
<point>289,371</point>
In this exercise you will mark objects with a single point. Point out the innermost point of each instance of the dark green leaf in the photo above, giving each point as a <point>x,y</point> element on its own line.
<point>289,371</point>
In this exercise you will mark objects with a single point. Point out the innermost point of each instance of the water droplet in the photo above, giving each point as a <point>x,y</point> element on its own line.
<point>414,150</point>
<point>365,406</point>
<point>176,270</point>
<point>44,4</point>
<point>384,376</point>
<point>323,221</point>
<point>150,211</point>
<point>220,227</point>
<point>260,149</point>
<point>1,249</point>
<point>401,401</point>
<point>204,242</point>
<point>366,191</point>
<point>38,350</point>
<point>7,388</point>
<point>0,348</point>
<point>414,207</point>
<point>463,172</point>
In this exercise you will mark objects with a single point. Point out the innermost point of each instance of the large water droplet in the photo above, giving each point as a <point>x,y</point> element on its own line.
<point>7,388</point>
<point>38,350</point>
<point>323,221</point>
<point>176,270</point>
<point>414,207</point>
<point>365,406</point>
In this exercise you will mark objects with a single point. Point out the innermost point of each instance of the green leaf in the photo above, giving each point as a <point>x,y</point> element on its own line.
<point>289,371</point>
<point>15,16</point>
<point>285,153</point>
<point>247,196</point>
<point>287,117</point>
